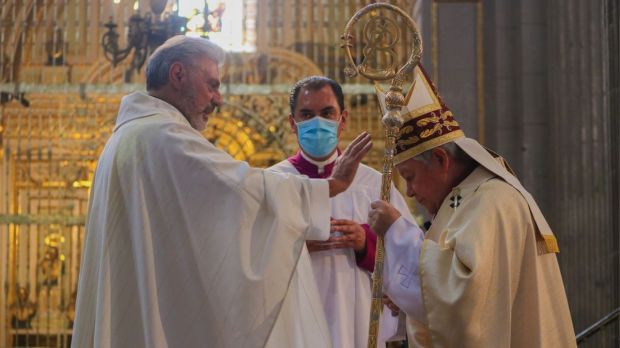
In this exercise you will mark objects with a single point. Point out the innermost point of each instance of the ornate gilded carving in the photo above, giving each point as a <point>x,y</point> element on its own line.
<point>379,56</point>
<point>49,147</point>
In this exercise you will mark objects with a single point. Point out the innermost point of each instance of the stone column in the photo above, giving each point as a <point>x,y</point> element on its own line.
<point>584,156</point>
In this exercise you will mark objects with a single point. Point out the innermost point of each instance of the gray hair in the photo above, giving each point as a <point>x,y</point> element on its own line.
<point>182,49</point>
<point>451,148</point>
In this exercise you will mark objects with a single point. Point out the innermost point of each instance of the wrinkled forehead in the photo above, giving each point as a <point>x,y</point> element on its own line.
<point>205,65</point>
<point>410,167</point>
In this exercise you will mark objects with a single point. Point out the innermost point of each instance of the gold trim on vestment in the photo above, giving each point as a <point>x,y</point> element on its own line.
<point>436,105</point>
<point>551,243</point>
<point>427,145</point>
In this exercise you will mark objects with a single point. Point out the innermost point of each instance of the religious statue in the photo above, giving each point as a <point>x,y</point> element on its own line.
<point>50,269</point>
<point>214,19</point>
<point>196,21</point>
<point>22,310</point>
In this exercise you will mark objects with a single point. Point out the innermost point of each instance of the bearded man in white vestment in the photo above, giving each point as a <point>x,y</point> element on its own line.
<point>185,246</point>
<point>342,264</point>
<point>485,274</point>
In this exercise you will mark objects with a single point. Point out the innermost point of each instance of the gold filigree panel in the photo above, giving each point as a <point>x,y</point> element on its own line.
<point>50,51</point>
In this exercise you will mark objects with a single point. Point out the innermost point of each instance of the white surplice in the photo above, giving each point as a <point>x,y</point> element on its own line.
<point>343,287</point>
<point>185,246</point>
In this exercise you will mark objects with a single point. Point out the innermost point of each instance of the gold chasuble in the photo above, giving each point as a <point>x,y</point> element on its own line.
<point>483,281</point>
<point>486,273</point>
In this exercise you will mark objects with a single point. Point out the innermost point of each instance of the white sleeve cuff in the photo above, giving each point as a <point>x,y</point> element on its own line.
<point>399,230</point>
<point>403,243</point>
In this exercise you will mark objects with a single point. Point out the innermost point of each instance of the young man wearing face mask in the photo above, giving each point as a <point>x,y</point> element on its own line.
<point>340,266</point>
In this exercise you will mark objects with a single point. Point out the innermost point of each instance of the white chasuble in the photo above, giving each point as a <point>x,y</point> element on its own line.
<point>185,246</point>
<point>343,287</point>
<point>483,281</point>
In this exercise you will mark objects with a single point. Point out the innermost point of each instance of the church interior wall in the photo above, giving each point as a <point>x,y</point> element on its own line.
<point>536,81</point>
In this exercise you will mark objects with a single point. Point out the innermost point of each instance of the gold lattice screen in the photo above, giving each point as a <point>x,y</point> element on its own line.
<point>58,102</point>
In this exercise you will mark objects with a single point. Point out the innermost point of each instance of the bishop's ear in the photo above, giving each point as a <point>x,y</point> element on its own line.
<point>441,157</point>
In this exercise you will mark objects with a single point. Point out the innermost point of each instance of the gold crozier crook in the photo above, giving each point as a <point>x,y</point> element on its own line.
<point>379,64</point>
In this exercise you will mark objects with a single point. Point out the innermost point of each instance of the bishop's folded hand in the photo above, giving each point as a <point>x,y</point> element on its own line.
<point>389,304</point>
<point>381,216</point>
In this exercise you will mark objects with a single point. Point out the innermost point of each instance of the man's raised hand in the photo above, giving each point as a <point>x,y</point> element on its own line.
<point>347,164</point>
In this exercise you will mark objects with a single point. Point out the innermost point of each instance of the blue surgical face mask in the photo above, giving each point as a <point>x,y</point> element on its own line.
<point>318,136</point>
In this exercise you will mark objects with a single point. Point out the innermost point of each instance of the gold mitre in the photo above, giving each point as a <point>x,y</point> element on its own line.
<point>427,121</point>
